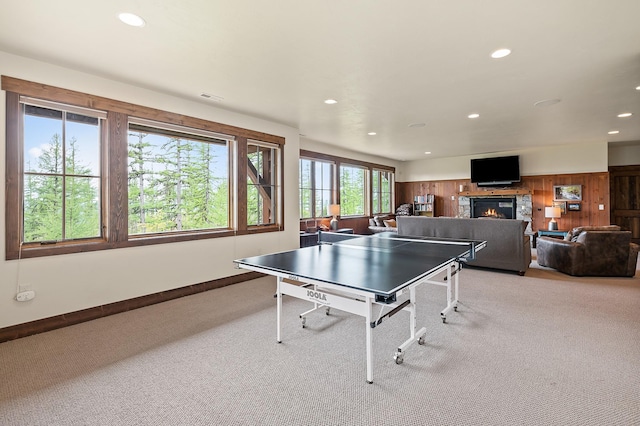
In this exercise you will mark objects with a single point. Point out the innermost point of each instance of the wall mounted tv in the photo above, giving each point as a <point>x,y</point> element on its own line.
<point>495,171</point>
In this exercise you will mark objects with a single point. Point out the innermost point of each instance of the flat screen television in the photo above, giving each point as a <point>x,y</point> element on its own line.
<point>495,171</point>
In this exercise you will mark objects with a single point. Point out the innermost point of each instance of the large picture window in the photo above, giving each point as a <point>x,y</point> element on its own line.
<point>88,173</point>
<point>178,179</point>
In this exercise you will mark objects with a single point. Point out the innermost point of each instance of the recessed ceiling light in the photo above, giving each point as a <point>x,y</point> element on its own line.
<point>372,133</point>
<point>417,125</point>
<point>132,19</point>
<point>638,88</point>
<point>427,152</point>
<point>330,101</point>
<point>500,53</point>
<point>474,115</point>
<point>614,132</point>
<point>625,115</point>
<point>547,102</point>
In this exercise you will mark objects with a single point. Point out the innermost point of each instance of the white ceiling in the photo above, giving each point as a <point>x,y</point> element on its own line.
<point>388,63</point>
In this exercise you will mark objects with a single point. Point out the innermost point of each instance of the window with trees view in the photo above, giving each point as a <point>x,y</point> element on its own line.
<point>62,191</point>
<point>316,187</point>
<point>360,188</point>
<point>261,183</point>
<point>87,173</point>
<point>381,184</point>
<point>353,195</point>
<point>177,181</point>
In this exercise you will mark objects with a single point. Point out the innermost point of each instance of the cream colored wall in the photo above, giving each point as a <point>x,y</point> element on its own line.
<point>578,158</point>
<point>73,282</point>
<point>624,153</point>
<point>311,145</point>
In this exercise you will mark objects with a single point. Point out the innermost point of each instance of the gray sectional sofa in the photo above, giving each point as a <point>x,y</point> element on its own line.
<point>508,247</point>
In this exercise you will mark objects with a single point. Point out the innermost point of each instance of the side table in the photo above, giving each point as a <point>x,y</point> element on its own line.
<point>557,233</point>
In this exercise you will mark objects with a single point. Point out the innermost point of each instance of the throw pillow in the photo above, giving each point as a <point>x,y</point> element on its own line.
<point>404,210</point>
<point>391,223</point>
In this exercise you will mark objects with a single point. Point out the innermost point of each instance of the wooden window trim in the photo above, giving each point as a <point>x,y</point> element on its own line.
<point>115,170</point>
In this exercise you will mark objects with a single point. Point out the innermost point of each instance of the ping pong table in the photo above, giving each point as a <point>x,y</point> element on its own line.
<point>361,274</point>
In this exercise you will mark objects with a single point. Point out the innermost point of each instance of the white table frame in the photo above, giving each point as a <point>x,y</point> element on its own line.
<point>360,302</point>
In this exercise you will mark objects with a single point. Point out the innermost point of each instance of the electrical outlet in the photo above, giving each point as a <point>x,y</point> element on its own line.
<point>23,296</point>
<point>601,207</point>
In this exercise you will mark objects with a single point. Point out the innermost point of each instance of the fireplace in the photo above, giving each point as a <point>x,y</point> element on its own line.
<point>499,207</point>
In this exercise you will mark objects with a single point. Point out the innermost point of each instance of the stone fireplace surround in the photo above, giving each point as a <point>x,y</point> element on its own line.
<point>524,204</point>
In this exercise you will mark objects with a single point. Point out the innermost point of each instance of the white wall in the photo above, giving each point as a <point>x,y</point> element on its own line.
<point>624,153</point>
<point>561,159</point>
<point>68,283</point>
<point>311,145</point>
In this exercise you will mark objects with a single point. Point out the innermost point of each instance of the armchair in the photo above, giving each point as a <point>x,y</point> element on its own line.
<point>595,251</point>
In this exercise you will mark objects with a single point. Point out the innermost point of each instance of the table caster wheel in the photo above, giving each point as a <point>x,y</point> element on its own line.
<point>455,308</point>
<point>444,320</point>
<point>304,321</point>
<point>327,311</point>
<point>422,340</point>
<point>399,358</point>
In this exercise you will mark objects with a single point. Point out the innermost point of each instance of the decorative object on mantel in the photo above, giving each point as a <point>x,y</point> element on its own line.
<point>567,193</point>
<point>553,213</point>
<point>334,210</point>
<point>574,207</point>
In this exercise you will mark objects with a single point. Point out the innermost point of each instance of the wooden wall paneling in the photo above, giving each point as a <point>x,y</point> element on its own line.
<point>595,191</point>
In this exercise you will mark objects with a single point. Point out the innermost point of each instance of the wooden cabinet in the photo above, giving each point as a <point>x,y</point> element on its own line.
<point>423,205</point>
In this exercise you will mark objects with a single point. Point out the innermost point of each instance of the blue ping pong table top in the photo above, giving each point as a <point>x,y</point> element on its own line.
<point>376,265</point>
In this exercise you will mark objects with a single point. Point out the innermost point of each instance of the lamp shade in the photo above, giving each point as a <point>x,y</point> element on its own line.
<point>552,212</point>
<point>334,209</point>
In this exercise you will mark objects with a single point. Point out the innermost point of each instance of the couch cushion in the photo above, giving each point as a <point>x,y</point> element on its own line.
<point>575,232</point>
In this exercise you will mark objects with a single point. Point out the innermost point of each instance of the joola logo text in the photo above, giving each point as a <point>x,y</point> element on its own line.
<point>316,295</point>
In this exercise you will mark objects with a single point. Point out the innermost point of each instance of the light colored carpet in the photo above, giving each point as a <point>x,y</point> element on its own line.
<point>543,349</point>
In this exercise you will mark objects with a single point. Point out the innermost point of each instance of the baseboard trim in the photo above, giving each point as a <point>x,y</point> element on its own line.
<point>47,324</point>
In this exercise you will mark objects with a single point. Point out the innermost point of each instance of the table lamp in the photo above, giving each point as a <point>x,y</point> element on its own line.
<point>553,213</point>
<point>334,210</point>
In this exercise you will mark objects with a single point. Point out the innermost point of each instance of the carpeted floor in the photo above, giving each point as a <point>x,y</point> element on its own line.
<point>543,349</point>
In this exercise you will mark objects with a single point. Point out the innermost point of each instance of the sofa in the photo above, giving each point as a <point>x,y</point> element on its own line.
<point>508,247</point>
<point>379,224</point>
<point>590,251</point>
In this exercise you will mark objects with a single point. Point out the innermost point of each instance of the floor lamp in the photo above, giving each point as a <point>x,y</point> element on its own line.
<point>553,213</point>
<point>334,210</point>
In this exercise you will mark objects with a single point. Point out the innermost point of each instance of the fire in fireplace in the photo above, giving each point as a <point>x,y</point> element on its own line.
<point>501,208</point>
